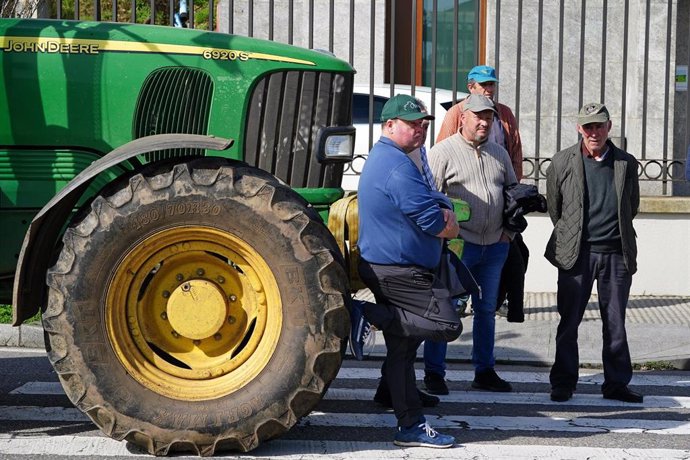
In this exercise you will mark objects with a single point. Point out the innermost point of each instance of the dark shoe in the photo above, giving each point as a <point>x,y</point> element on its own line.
<point>359,330</point>
<point>435,384</point>
<point>624,394</point>
<point>561,394</point>
<point>490,381</point>
<point>383,398</point>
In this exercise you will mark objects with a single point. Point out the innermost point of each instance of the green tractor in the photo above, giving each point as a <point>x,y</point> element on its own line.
<point>163,194</point>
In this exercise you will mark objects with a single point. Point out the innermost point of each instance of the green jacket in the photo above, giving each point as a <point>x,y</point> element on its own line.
<point>565,192</point>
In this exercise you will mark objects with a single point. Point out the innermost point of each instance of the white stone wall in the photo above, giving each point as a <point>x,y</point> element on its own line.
<point>663,255</point>
<point>363,38</point>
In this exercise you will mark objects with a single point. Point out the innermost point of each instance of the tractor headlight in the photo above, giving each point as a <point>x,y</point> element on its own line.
<point>336,144</point>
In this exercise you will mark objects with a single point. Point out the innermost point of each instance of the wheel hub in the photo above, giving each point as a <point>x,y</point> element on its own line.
<point>197,309</point>
<point>193,312</point>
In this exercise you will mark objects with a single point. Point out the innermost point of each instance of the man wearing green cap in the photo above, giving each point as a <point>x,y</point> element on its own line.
<point>593,195</point>
<point>402,226</point>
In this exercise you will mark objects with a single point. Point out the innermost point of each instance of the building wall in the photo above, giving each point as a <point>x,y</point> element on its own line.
<point>320,28</point>
<point>663,259</point>
<point>547,76</point>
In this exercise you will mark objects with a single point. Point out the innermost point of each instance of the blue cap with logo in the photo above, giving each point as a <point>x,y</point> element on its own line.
<point>482,73</point>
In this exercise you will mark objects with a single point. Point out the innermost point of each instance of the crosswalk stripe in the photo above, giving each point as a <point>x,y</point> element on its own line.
<point>39,388</point>
<point>504,423</point>
<point>587,377</point>
<point>93,446</point>
<point>480,397</point>
<point>350,373</point>
<point>477,397</point>
<point>384,420</point>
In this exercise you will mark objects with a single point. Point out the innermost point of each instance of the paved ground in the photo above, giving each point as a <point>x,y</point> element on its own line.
<point>658,331</point>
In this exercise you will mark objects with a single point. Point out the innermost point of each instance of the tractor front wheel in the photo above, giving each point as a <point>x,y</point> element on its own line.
<point>197,306</point>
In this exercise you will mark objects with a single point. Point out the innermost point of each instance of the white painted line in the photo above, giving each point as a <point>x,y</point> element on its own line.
<point>560,424</point>
<point>69,446</point>
<point>39,388</point>
<point>317,418</point>
<point>91,446</point>
<point>482,397</point>
<point>33,351</point>
<point>476,397</point>
<point>587,377</point>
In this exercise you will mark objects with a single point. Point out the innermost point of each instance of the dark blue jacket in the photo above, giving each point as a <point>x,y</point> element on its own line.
<point>399,214</point>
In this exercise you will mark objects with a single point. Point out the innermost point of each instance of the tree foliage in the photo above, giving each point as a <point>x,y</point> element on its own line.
<point>18,8</point>
<point>65,9</point>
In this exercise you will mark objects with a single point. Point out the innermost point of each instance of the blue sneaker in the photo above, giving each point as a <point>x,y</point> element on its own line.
<point>422,435</point>
<point>359,330</point>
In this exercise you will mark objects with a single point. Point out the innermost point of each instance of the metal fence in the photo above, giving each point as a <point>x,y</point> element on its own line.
<point>520,34</point>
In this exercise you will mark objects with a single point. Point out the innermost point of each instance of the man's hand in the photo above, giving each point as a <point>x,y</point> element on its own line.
<point>452,229</point>
<point>504,238</point>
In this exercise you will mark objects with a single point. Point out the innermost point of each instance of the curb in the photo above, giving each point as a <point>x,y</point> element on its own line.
<point>24,336</point>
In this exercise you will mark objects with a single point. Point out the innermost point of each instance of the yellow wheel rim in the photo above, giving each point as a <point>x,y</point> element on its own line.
<point>193,313</point>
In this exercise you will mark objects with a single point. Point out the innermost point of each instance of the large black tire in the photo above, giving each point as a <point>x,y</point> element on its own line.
<point>197,307</point>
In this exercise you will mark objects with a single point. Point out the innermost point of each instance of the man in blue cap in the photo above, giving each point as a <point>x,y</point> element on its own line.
<point>482,80</point>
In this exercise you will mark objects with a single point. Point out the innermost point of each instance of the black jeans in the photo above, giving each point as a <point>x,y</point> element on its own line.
<point>574,288</point>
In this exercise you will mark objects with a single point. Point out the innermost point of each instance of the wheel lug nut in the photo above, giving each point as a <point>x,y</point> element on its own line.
<point>197,342</point>
<point>200,271</point>
<point>179,277</point>
<point>175,334</point>
<point>186,287</point>
<point>164,316</point>
<point>166,294</point>
<point>221,280</point>
<point>231,319</point>
<point>217,336</point>
<point>232,297</point>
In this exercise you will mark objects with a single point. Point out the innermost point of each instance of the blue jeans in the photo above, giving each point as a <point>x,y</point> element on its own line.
<point>486,264</point>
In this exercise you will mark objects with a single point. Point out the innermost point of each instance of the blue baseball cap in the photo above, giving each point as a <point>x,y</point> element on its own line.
<point>482,73</point>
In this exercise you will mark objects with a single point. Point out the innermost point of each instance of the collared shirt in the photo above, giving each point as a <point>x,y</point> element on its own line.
<point>587,154</point>
<point>420,159</point>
